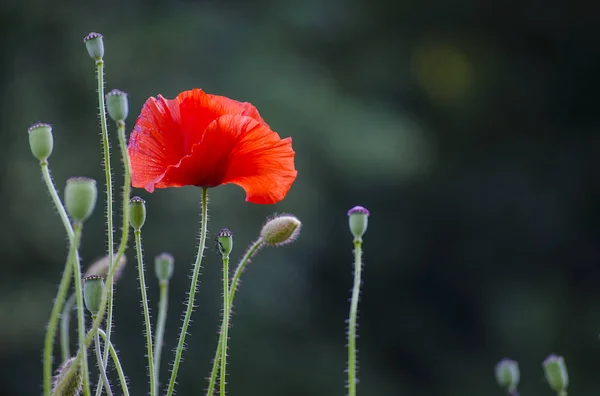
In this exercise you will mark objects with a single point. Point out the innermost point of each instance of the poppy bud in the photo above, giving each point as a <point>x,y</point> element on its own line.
<point>137,213</point>
<point>81,194</point>
<point>358,220</point>
<point>507,374</point>
<point>117,105</point>
<point>100,268</point>
<point>67,385</point>
<point>95,45</point>
<point>93,288</point>
<point>163,266</point>
<point>556,373</point>
<point>41,140</point>
<point>281,230</point>
<point>225,242</point>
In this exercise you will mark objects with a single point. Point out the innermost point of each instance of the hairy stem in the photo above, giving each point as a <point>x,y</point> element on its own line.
<point>225,325</point>
<point>117,362</point>
<point>142,278</point>
<point>101,368</point>
<point>65,324</point>
<point>160,329</point>
<point>192,294</point>
<point>353,316</point>
<point>232,289</point>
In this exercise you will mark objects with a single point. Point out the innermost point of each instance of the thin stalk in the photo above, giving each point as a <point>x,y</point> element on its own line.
<point>353,315</point>
<point>101,368</point>
<point>80,307</point>
<point>232,289</point>
<point>225,325</point>
<point>65,324</point>
<point>117,362</point>
<point>160,328</point>
<point>56,199</point>
<point>138,247</point>
<point>192,294</point>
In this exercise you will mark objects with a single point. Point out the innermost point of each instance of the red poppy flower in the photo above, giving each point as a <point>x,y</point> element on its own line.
<point>206,140</point>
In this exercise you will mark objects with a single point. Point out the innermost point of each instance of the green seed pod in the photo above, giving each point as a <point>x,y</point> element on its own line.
<point>164,264</point>
<point>41,140</point>
<point>93,288</point>
<point>100,268</point>
<point>137,213</point>
<point>555,370</point>
<point>225,242</point>
<point>358,220</point>
<point>508,374</point>
<point>281,230</point>
<point>81,194</point>
<point>95,45</point>
<point>67,383</point>
<point>117,105</point>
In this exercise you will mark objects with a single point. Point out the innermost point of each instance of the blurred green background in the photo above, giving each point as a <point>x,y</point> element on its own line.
<point>469,129</point>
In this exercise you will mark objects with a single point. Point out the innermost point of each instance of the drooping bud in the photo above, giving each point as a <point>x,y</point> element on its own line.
<point>117,105</point>
<point>137,213</point>
<point>281,230</point>
<point>100,267</point>
<point>41,140</point>
<point>163,266</point>
<point>95,45</point>
<point>81,194</point>
<point>65,383</point>
<point>225,242</point>
<point>556,374</point>
<point>358,220</point>
<point>93,288</point>
<point>508,374</point>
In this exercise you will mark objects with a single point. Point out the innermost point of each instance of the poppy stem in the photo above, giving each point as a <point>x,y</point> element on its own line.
<point>138,247</point>
<point>109,205</point>
<point>353,316</point>
<point>193,286</point>
<point>101,367</point>
<point>225,325</point>
<point>160,327</point>
<point>117,362</point>
<point>65,324</point>
<point>74,260</point>
<point>232,289</point>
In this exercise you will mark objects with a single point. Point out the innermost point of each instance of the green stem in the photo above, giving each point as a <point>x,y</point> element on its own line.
<point>232,289</point>
<point>101,368</point>
<point>56,199</point>
<point>117,362</point>
<point>160,328</point>
<point>353,315</point>
<point>138,248</point>
<point>225,325</point>
<point>192,294</point>
<point>80,307</point>
<point>65,324</point>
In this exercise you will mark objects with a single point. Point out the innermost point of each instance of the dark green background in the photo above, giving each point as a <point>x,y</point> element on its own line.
<point>468,128</point>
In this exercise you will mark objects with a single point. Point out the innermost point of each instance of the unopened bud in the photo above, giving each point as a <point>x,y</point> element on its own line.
<point>555,370</point>
<point>137,213</point>
<point>100,267</point>
<point>507,374</point>
<point>41,140</point>
<point>163,266</point>
<point>81,194</point>
<point>117,105</point>
<point>93,288</point>
<point>281,230</point>
<point>68,379</point>
<point>358,220</point>
<point>225,242</point>
<point>95,45</point>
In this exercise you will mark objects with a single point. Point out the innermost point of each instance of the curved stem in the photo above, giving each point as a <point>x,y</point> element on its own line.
<point>56,199</point>
<point>160,329</point>
<point>138,248</point>
<point>352,320</point>
<point>225,325</point>
<point>101,368</point>
<point>74,260</point>
<point>232,289</point>
<point>117,362</point>
<point>193,285</point>
<point>65,324</point>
